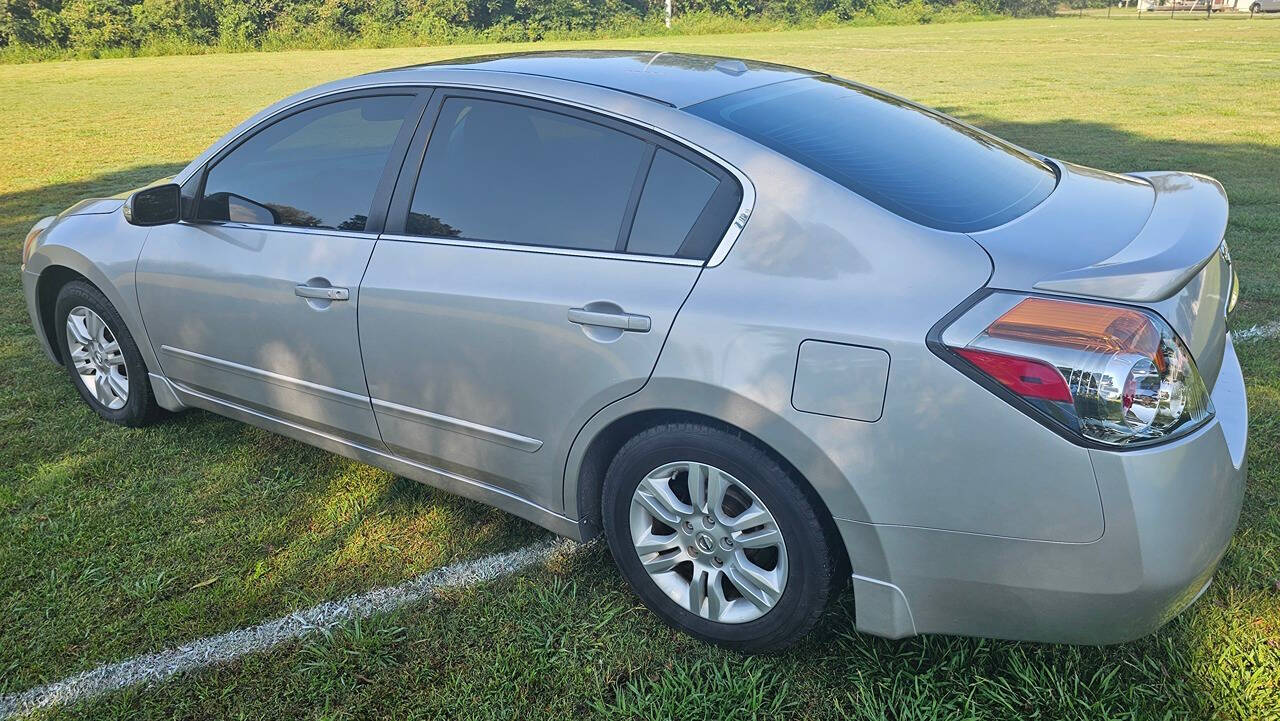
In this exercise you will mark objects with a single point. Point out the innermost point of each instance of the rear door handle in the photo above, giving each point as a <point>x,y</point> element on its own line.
<point>622,321</point>
<point>321,292</point>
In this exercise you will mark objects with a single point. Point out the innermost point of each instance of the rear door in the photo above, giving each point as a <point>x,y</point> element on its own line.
<point>528,277</point>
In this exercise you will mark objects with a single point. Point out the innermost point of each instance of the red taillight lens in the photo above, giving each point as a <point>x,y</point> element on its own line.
<point>1114,374</point>
<point>1026,377</point>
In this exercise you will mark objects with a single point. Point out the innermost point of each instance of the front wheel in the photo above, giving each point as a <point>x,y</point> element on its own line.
<point>101,357</point>
<point>717,538</point>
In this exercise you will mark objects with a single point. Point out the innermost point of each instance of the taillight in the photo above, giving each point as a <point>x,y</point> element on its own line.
<point>1113,374</point>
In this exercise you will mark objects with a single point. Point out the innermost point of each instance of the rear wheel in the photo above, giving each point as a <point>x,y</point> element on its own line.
<point>717,538</point>
<point>101,357</point>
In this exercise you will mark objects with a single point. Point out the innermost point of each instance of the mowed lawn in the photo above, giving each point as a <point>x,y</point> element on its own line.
<point>115,542</point>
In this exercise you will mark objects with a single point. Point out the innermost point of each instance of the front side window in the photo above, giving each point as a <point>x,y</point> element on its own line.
<point>918,164</point>
<point>508,173</point>
<point>318,168</point>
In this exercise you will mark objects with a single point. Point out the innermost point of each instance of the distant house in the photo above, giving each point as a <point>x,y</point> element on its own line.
<point>1167,5</point>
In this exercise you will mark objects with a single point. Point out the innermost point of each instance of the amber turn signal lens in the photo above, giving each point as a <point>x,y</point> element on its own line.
<point>1083,326</point>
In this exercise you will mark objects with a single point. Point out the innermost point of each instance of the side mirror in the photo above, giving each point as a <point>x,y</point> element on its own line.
<point>156,205</point>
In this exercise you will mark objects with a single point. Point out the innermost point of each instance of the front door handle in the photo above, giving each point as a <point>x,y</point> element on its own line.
<point>622,321</point>
<point>321,292</point>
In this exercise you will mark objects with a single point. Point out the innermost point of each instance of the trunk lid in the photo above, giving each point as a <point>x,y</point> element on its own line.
<point>1150,239</point>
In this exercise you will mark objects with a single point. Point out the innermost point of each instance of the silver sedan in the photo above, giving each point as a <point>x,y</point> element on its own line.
<point>769,331</point>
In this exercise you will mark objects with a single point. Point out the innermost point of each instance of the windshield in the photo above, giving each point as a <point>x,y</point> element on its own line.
<point>918,164</point>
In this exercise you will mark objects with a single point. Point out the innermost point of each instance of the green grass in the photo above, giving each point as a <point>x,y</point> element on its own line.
<point>107,534</point>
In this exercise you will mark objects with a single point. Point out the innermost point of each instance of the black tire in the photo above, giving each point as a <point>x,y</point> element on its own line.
<point>140,407</point>
<point>815,563</point>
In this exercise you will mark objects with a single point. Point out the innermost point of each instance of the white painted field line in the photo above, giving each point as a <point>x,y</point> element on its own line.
<point>1262,330</point>
<point>155,667</point>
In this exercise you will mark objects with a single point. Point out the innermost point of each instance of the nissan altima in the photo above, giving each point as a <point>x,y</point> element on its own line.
<point>769,331</point>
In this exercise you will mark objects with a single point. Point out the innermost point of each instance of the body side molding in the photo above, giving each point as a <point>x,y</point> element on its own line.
<point>454,483</point>
<point>457,425</point>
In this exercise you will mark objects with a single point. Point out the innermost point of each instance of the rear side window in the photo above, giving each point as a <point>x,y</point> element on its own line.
<point>676,193</point>
<point>509,173</point>
<point>918,164</point>
<point>531,173</point>
<point>318,168</point>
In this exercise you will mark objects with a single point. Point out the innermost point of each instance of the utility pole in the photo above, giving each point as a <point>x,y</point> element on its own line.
<point>668,14</point>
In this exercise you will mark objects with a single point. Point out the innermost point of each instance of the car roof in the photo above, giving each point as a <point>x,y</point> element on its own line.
<point>675,79</point>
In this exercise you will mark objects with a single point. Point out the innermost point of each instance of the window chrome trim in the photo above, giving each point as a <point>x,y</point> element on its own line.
<point>735,229</point>
<point>299,229</point>
<point>718,255</point>
<point>544,249</point>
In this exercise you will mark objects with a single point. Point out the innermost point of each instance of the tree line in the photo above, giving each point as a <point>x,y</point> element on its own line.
<point>97,25</point>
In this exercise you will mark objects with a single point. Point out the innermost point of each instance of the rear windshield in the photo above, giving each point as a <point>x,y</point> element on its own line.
<point>918,164</point>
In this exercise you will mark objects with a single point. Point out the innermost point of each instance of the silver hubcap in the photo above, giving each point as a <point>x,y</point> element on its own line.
<point>708,542</point>
<point>96,356</point>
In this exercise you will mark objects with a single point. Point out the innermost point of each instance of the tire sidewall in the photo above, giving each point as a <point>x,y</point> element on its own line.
<point>137,407</point>
<point>807,577</point>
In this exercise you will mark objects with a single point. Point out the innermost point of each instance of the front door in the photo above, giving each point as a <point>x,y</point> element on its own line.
<point>253,300</point>
<point>528,279</point>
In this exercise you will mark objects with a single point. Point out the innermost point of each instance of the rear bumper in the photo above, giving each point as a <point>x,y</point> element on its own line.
<point>1170,512</point>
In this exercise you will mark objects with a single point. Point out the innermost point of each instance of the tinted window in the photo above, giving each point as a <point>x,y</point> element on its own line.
<point>316,169</point>
<point>514,174</point>
<point>675,194</point>
<point>918,164</point>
